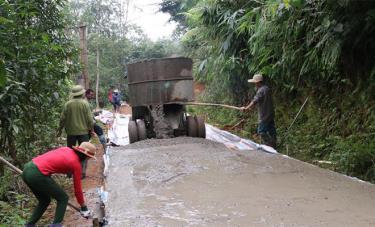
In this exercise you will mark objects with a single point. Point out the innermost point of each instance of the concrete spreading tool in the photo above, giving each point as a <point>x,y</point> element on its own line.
<point>210,104</point>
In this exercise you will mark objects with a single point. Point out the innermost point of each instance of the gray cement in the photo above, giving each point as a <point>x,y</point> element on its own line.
<point>196,182</point>
<point>161,126</point>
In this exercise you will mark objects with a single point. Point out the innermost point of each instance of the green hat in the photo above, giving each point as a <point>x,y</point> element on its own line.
<point>77,90</point>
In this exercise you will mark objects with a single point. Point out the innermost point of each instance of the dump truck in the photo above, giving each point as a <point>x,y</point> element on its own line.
<point>166,82</point>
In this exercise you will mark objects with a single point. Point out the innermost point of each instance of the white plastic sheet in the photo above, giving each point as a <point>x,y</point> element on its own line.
<point>106,117</point>
<point>232,141</point>
<point>118,133</point>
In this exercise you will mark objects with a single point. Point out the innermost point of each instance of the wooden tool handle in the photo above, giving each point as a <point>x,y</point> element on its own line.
<point>209,104</point>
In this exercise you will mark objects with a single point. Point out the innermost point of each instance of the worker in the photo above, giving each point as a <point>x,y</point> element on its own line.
<point>110,97</point>
<point>77,120</point>
<point>90,96</point>
<point>37,175</point>
<point>116,98</point>
<point>266,112</point>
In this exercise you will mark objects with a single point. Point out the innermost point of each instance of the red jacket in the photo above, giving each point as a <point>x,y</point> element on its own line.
<point>110,96</point>
<point>62,160</point>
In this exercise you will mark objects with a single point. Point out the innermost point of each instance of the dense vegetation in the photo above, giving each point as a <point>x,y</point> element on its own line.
<point>34,67</point>
<point>317,49</point>
<point>39,61</point>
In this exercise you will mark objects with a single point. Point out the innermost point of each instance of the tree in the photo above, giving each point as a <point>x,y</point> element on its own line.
<point>35,59</point>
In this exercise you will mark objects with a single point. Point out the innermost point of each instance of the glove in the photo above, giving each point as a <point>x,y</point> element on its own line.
<point>86,213</point>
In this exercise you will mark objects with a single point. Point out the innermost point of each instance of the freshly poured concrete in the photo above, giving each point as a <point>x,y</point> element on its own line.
<point>196,182</point>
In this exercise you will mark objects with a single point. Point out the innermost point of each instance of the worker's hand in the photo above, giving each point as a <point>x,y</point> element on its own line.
<point>86,213</point>
<point>93,133</point>
<point>243,109</point>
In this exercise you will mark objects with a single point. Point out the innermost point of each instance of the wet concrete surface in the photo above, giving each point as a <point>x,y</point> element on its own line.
<point>161,126</point>
<point>196,182</point>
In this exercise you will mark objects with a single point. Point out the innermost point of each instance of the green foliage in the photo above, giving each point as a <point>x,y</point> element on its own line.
<point>118,41</point>
<point>14,214</point>
<point>323,50</point>
<point>35,52</point>
<point>175,9</point>
<point>15,203</point>
<point>3,76</point>
<point>355,155</point>
<point>35,67</point>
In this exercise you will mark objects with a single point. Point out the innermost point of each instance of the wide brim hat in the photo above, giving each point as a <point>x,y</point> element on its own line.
<point>77,90</point>
<point>87,149</point>
<point>256,78</point>
<point>115,91</point>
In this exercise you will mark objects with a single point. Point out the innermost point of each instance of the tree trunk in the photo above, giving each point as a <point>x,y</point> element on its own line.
<point>84,59</point>
<point>97,78</point>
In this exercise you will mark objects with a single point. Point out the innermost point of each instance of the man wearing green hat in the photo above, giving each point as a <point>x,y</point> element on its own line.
<point>76,118</point>
<point>266,112</point>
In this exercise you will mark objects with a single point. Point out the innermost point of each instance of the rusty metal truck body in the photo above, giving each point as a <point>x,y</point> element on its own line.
<point>167,82</point>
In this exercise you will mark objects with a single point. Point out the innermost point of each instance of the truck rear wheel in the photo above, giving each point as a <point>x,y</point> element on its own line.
<point>141,129</point>
<point>201,128</point>
<point>191,125</point>
<point>133,132</point>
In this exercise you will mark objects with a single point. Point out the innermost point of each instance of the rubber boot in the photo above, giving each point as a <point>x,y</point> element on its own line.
<point>29,225</point>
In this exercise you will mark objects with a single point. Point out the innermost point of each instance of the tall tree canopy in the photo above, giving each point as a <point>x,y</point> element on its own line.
<point>35,55</point>
<point>35,65</point>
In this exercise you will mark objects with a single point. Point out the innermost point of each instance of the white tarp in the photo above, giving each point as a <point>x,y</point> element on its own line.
<point>232,141</point>
<point>105,116</point>
<point>118,134</point>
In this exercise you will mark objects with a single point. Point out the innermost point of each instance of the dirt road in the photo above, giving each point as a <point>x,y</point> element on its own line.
<point>196,182</point>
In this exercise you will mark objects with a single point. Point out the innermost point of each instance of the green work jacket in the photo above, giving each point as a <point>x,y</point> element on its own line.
<point>76,117</point>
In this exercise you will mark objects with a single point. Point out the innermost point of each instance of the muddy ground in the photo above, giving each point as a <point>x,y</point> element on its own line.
<point>196,182</point>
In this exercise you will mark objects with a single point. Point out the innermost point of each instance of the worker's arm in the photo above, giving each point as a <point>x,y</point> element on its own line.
<point>258,96</point>
<point>84,211</point>
<point>250,106</point>
<point>77,172</point>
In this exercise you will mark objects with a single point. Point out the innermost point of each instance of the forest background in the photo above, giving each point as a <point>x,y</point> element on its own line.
<point>319,50</point>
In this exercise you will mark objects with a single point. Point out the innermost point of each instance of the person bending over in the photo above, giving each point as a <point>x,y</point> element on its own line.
<point>37,175</point>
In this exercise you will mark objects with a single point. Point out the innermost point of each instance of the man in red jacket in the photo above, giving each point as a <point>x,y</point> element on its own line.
<point>37,175</point>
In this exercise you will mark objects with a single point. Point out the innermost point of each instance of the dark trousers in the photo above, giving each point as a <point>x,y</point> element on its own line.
<point>99,132</point>
<point>72,141</point>
<point>116,106</point>
<point>44,188</point>
<point>267,132</point>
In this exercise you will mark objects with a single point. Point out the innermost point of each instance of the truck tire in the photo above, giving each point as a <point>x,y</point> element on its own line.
<point>201,127</point>
<point>141,129</point>
<point>191,126</point>
<point>133,132</point>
